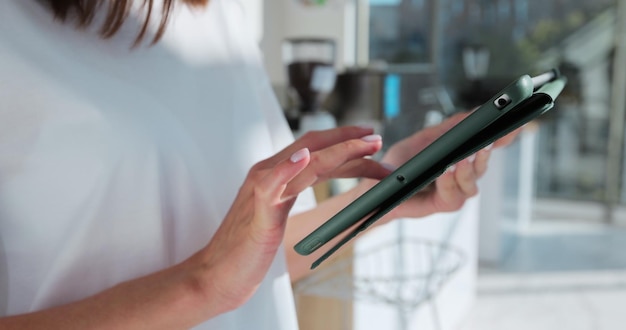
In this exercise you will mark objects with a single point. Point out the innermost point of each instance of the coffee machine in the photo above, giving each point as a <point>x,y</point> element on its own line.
<point>311,73</point>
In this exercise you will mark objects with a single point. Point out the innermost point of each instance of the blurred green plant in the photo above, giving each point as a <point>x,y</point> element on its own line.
<point>547,33</point>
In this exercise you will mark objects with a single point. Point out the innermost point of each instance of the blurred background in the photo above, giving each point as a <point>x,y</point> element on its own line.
<point>544,245</point>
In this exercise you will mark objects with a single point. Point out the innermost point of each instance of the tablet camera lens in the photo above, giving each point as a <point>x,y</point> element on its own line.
<point>502,101</point>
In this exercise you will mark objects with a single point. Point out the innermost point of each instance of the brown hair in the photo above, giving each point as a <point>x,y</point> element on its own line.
<point>83,11</point>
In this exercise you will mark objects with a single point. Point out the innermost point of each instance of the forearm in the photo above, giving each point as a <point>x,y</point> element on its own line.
<point>175,298</point>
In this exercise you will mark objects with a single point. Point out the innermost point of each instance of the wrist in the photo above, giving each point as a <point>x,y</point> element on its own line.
<point>201,280</point>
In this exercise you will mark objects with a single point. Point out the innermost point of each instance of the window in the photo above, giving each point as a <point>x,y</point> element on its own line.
<point>521,36</point>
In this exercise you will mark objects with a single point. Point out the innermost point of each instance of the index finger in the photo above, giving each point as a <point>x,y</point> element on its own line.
<point>318,140</point>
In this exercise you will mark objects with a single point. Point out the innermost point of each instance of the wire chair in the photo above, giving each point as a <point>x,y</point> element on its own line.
<point>404,273</point>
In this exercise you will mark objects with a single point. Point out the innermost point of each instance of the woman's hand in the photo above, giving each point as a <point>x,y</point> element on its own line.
<point>447,193</point>
<point>242,250</point>
<point>225,273</point>
<point>450,191</point>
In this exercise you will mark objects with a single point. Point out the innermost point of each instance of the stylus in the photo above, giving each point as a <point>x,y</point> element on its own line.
<point>544,78</point>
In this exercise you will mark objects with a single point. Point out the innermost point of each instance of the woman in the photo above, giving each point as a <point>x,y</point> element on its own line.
<point>150,186</point>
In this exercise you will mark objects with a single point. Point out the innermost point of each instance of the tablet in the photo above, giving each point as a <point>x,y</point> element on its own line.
<point>523,100</point>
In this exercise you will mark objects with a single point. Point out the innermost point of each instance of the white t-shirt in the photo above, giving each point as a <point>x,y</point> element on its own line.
<point>117,162</point>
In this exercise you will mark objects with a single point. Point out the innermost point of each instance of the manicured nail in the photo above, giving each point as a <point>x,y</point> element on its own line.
<point>299,155</point>
<point>388,166</point>
<point>372,138</point>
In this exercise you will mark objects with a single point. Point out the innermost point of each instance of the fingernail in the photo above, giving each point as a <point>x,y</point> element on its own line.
<point>299,155</point>
<point>451,168</point>
<point>388,166</point>
<point>471,158</point>
<point>372,138</point>
<point>489,147</point>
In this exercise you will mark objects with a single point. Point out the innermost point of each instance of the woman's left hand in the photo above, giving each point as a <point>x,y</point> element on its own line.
<point>450,191</point>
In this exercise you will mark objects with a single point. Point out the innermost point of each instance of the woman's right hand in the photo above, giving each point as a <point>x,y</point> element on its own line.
<point>225,273</point>
<point>237,258</point>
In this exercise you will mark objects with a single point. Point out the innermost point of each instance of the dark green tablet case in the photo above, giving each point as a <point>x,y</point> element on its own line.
<point>518,103</point>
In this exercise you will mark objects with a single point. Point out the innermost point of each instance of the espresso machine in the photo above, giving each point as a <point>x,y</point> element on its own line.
<point>311,73</point>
